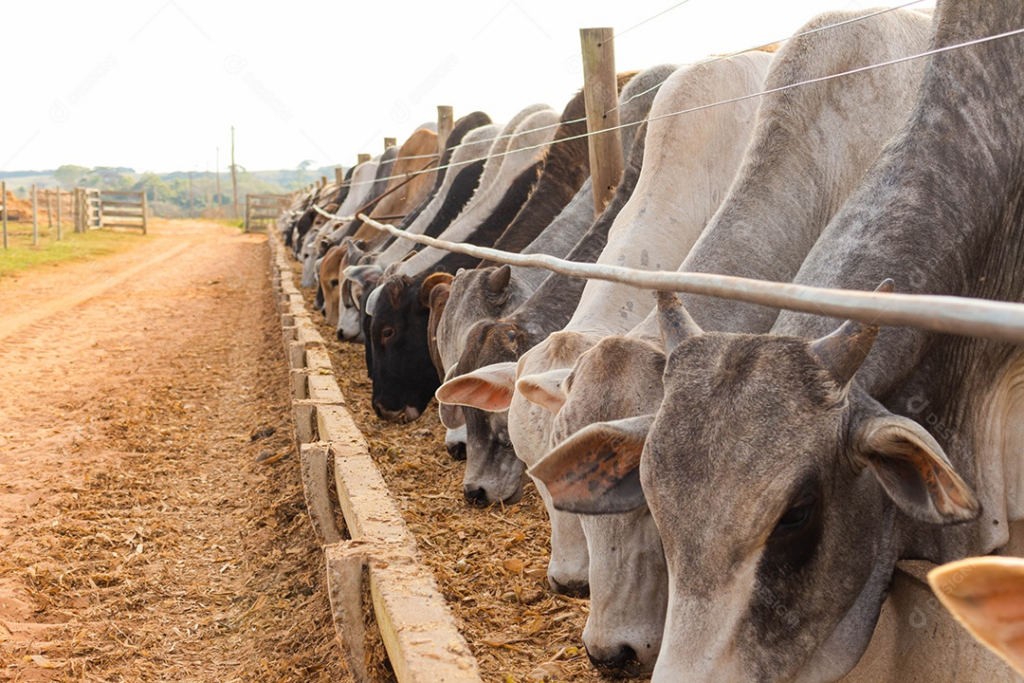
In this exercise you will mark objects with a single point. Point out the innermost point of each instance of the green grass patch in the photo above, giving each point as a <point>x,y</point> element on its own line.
<point>21,256</point>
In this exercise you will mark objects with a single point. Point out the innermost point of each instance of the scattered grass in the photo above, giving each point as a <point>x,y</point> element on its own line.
<point>21,256</point>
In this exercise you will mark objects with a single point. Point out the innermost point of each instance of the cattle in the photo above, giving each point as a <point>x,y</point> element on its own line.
<point>496,179</point>
<point>788,472</point>
<point>700,154</point>
<point>424,214</point>
<point>760,230</point>
<point>459,185</point>
<point>398,358</point>
<point>490,292</point>
<point>486,293</point>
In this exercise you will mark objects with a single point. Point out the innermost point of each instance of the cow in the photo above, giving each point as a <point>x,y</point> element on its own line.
<point>456,191</point>
<point>759,231</point>
<point>490,292</point>
<point>787,473</point>
<point>496,179</point>
<point>423,214</point>
<point>700,155</point>
<point>487,293</point>
<point>398,358</point>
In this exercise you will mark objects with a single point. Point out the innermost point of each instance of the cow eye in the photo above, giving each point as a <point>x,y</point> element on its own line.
<point>387,333</point>
<point>334,282</point>
<point>795,518</point>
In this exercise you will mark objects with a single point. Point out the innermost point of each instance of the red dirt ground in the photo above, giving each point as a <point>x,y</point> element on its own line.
<point>152,524</point>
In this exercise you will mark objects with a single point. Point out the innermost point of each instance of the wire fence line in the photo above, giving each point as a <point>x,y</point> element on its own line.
<point>762,93</point>
<point>710,60</point>
<point>718,58</point>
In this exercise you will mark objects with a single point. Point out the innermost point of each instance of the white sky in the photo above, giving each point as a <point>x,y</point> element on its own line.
<point>157,84</point>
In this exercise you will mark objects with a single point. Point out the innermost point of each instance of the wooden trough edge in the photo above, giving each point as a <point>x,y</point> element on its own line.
<point>423,643</point>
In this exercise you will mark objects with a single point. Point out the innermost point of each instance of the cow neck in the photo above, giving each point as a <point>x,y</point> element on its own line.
<point>920,218</point>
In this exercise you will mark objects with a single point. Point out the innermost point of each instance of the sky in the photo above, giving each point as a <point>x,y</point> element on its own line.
<point>156,85</point>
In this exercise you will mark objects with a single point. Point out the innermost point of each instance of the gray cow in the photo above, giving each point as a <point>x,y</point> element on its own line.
<point>788,472</point>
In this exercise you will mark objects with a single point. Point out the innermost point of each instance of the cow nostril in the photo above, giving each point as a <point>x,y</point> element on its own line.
<point>622,664</point>
<point>341,337</point>
<point>477,497</point>
<point>457,450</point>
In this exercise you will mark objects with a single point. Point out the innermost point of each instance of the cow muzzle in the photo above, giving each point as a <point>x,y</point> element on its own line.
<point>406,414</point>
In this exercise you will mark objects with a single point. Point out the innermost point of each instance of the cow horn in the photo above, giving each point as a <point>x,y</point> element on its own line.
<point>843,351</point>
<point>676,324</point>
<point>498,280</point>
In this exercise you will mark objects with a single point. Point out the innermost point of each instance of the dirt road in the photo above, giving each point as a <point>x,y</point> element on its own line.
<point>151,516</point>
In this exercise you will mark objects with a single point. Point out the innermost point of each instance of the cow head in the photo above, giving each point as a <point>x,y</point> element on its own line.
<point>351,289</point>
<point>493,388</point>
<point>357,281</point>
<point>618,378</point>
<point>403,377</point>
<point>474,294</point>
<point>493,472</point>
<point>780,489</point>
<point>329,283</point>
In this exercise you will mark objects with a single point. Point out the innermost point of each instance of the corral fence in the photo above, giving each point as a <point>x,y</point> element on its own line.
<point>262,210</point>
<point>120,209</point>
<point>85,208</point>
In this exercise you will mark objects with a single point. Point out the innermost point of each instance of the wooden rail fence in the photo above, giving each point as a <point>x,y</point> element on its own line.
<point>262,210</point>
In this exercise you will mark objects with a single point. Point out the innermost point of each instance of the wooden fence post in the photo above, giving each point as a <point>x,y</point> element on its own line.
<point>145,210</point>
<point>247,199</point>
<point>35,217</point>
<point>389,143</point>
<point>76,208</point>
<point>601,96</point>
<point>339,176</point>
<point>59,235</point>
<point>3,191</point>
<point>362,158</point>
<point>445,122</point>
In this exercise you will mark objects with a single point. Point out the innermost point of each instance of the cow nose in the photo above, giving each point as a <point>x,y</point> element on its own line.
<point>475,496</point>
<point>572,590</point>
<point>457,450</point>
<point>341,337</point>
<point>622,663</point>
<point>389,415</point>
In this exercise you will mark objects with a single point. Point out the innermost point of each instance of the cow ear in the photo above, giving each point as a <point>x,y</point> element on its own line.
<point>912,468</point>
<point>452,416</point>
<point>489,388</point>
<point>499,279</point>
<point>545,389</point>
<point>433,280</point>
<point>597,470</point>
<point>986,595</point>
<point>364,276</point>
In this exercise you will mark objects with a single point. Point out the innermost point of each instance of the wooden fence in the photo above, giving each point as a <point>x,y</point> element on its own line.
<point>122,209</point>
<point>262,210</point>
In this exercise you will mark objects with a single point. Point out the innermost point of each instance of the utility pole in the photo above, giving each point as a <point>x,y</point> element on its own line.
<point>220,201</point>
<point>234,173</point>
